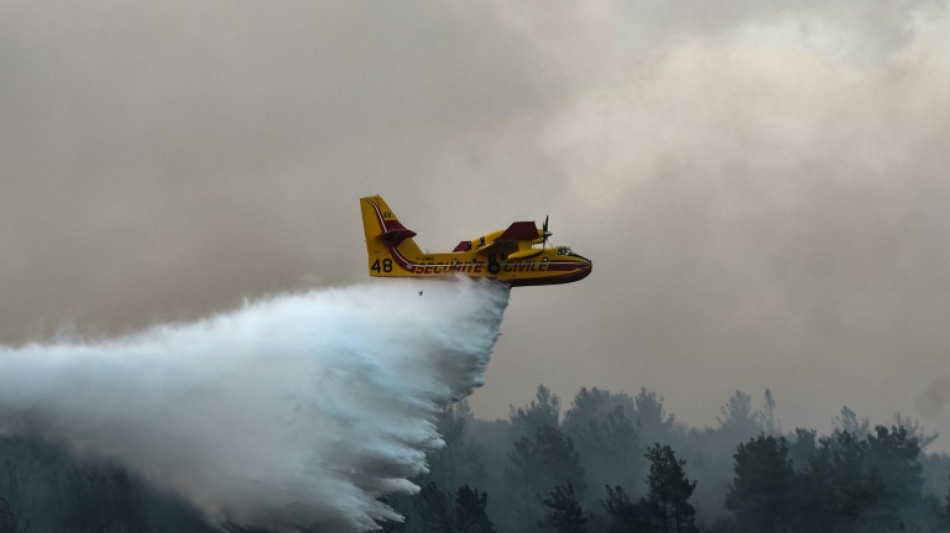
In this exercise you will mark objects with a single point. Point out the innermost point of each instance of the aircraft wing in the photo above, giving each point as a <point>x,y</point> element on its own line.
<point>507,242</point>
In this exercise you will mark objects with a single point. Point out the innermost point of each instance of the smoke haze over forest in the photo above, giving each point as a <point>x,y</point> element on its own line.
<point>762,187</point>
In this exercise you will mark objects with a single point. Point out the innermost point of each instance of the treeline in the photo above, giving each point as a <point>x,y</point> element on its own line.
<point>43,489</point>
<point>609,462</point>
<point>612,462</point>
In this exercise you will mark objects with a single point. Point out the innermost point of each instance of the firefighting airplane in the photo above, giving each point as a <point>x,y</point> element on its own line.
<point>517,256</point>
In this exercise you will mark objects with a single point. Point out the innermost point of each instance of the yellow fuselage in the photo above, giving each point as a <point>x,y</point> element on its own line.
<point>515,256</point>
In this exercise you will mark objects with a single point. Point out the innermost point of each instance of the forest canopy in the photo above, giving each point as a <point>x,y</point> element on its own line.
<point>608,462</point>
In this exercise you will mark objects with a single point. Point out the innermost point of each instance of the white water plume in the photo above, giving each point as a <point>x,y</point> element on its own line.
<point>296,411</point>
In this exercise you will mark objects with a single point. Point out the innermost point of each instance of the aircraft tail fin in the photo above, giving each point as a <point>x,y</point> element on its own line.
<point>384,232</point>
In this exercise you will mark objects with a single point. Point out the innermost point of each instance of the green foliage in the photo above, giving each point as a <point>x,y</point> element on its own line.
<point>626,516</point>
<point>763,481</point>
<point>432,506</point>
<point>841,486</point>
<point>857,486</point>
<point>895,453</point>
<point>859,480</point>
<point>537,465</point>
<point>544,411</point>
<point>651,417</point>
<point>456,463</point>
<point>470,511</point>
<point>738,418</point>
<point>802,448</point>
<point>847,422</point>
<point>435,513</point>
<point>566,515</point>
<point>608,443</point>
<point>670,490</point>
<point>590,404</point>
<point>548,460</point>
<point>851,481</point>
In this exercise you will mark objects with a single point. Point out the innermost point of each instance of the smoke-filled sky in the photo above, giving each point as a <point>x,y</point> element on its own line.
<point>761,186</point>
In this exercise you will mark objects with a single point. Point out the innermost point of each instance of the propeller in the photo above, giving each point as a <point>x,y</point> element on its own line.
<point>544,232</point>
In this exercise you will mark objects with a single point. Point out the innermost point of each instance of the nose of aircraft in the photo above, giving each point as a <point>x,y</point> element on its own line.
<point>585,270</point>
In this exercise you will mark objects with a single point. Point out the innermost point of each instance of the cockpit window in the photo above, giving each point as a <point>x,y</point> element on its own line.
<point>564,250</point>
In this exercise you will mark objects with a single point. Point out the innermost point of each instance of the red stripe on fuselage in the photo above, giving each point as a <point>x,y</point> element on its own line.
<point>403,263</point>
<point>572,271</point>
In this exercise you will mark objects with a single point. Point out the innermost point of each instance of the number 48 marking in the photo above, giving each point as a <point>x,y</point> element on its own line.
<point>387,266</point>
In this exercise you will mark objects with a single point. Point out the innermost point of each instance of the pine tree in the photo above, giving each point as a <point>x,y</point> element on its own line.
<point>766,415</point>
<point>738,418</point>
<point>536,466</point>
<point>609,448</point>
<point>860,488</point>
<point>544,411</point>
<point>841,485</point>
<point>457,462</point>
<point>470,514</point>
<point>566,516</point>
<point>762,486</point>
<point>895,456</point>
<point>652,420</point>
<point>434,511</point>
<point>625,515</point>
<point>670,490</point>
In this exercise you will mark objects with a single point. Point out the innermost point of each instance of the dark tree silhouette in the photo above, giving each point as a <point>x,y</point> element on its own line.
<point>738,417</point>
<point>670,490</point>
<point>895,454</point>
<point>470,514</point>
<point>538,465</point>
<point>802,448</point>
<point>566,515</point>
<point>548,460</point>
<point>865,478</point>
<point>544,411</point>
<point>625,515</point>
<point>435,515</point>
<point>609,448</point>
<point>763,483</point>
<point>651,418</point>
<point>848,422</point>
<point>841,486</point>
<point>766,416</point>
<point>457,462</point>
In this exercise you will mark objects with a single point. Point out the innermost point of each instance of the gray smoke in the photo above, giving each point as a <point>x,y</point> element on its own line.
<point>300,410</point>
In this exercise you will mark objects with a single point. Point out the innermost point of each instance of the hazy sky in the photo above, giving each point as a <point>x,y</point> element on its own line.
<point>761,186</point>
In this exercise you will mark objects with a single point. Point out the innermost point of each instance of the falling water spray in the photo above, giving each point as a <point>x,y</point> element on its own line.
<point>295,411</point>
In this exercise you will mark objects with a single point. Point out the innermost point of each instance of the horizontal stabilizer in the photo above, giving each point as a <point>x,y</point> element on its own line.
<point>395,236</point>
